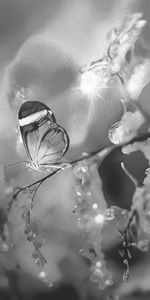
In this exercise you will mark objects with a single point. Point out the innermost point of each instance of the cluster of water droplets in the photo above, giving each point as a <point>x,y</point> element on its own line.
<point>32,231</point>
<point>33,235</point>
<point>90,205</point>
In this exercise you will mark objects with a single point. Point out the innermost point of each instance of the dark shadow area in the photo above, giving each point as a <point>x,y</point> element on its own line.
<point>117,186</point>
<point>65,292</point>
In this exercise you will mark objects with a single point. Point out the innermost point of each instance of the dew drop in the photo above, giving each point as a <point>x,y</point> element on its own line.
<point>42,275</point>
<point>95,206</point>
<point>4,247</point>
<point>98,264</point>
<point>108,282</point>
<point>50,284</point>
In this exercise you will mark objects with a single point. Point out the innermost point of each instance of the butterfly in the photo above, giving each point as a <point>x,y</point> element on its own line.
<point>44,140</point>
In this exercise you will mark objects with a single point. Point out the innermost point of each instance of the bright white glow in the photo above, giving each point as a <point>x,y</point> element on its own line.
<point>84,169</point>
<point>99,219</point>
<point>98,264</point>
<point>89,83</point>
<point>42,274</point>
<point>94,78</point>
<point>95,206</point>
<point>92,84</point>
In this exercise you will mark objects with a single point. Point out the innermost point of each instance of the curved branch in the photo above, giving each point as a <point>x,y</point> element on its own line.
<point>95,156</point>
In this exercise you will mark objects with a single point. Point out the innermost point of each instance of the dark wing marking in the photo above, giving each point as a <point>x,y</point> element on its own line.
<point>29,108</point>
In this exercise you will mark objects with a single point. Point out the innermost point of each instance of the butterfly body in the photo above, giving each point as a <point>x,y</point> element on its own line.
<point>44,140</point>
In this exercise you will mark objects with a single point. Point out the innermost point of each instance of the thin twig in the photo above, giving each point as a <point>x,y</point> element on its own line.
<point>64,166</point>
<point>39,182</point>
<point>91,157</point>
<point>131,177</point>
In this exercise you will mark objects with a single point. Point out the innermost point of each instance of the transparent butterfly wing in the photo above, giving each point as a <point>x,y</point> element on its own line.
<point>30,139</point>
<point>52,146</point>
<point>31,134</point>
<point>44,140</point>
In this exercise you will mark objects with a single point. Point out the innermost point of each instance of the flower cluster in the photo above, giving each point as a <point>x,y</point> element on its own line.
<point>119,60</point>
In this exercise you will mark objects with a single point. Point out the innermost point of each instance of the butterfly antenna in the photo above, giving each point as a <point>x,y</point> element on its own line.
<point>13,164</point>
